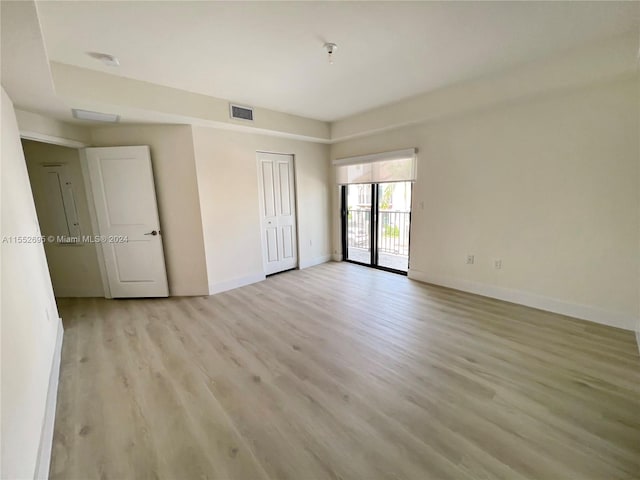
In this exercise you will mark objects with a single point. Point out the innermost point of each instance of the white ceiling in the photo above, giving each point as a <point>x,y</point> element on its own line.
<point>270,54</point>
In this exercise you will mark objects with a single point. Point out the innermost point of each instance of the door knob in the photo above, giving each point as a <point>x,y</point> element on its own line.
<point>152,232</point>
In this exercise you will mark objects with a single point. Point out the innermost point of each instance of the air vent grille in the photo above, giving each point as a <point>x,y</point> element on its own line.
<point>241,113</point>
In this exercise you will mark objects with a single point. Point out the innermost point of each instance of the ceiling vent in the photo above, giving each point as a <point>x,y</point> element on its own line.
<point>95,116</point>
<point>241,113</point>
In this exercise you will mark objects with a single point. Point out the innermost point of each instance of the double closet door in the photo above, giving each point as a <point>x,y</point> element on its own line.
<point>376,221</point>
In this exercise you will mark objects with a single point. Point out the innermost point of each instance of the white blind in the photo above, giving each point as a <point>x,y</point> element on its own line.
<point>396,166</point>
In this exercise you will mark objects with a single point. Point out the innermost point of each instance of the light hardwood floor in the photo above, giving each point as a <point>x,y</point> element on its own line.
<point>340,371</point>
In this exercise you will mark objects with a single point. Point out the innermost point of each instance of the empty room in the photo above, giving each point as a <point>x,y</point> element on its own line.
<point>320,240</point>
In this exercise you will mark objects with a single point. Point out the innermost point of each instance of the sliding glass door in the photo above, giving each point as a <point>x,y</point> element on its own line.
<point>376,224</point>
<point>393,225</point>
<point>357,221</point>
<point>376,207</point>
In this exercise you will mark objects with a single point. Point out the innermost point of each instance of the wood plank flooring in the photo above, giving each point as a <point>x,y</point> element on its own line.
<point>342,372</point>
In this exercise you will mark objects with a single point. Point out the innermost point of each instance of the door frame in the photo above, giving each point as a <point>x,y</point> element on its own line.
<point>261,208</point>
<point>373,241</point>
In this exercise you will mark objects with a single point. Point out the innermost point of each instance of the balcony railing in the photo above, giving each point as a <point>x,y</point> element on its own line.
<point>393,230</point>
<point>359,228</point>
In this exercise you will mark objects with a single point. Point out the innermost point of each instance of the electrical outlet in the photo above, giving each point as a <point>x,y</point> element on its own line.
<point>470,259</point>
<point>497,263</point>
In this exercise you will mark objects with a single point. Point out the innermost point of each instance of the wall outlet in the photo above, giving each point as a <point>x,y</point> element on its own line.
<point>470,259</point>
<point>497,263</point>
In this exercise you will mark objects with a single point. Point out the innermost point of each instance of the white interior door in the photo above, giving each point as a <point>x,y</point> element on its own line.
<point>124,195</point>
<point>278,212</point>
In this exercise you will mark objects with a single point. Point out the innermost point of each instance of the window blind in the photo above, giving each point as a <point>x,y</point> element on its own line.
<point>386,167</point>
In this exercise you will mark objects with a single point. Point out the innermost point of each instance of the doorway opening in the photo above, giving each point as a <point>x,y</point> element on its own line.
<point>376,223</point>
<point>60,200</point>
<point>98,219</point>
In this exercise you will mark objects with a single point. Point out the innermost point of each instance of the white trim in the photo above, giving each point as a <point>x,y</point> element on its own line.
<point>377,157</point>
<point>44,138</point>
<point>235,283</point>
<point>46,436</point>
<point>314,261</point>
<point>584,312</point>
<point>336,257</point>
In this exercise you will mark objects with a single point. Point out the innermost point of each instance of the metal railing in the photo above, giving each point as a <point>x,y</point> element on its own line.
<point>359,228</point>
<point>393,230</point>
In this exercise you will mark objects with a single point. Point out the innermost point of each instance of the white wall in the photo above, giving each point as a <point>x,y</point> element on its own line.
<point>174,171</point>
<point>548,184</point>
<point>228,186</point>
<point>30,325</point>
<point>74,268</point>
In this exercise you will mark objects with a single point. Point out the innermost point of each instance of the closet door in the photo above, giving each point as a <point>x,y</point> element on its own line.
<point>277,212</point>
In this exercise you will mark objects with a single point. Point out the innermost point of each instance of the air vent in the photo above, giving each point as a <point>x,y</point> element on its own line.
<point>95,116</point>
<point>241,113</point>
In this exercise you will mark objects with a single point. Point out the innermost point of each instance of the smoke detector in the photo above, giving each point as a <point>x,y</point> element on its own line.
<point>330,48</point>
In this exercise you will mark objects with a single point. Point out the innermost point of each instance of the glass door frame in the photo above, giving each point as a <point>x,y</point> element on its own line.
<point>373,230</point>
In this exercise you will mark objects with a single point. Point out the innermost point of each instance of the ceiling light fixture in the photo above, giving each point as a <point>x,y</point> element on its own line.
<point>95,116</point>
<point>330,47</point>
<point>105,58</point>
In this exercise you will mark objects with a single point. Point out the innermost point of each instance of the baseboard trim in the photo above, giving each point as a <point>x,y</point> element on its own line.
<point>314,261</point>
<point>336,257</point>
<point>46,437</point>
<point>235,283</point>
<point>584,312</point>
